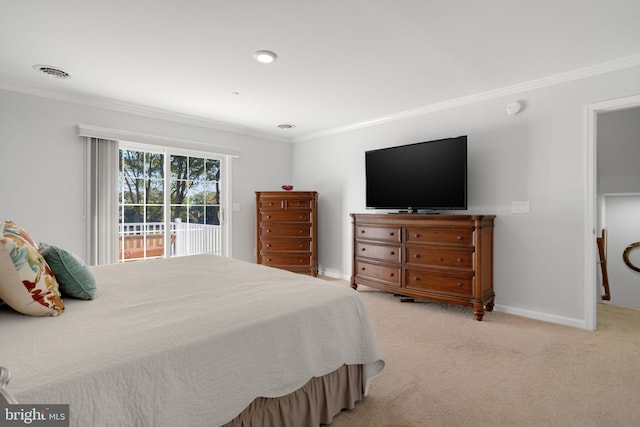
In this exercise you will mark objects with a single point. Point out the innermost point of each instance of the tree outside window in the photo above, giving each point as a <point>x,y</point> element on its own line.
<point>195,189</point>
<point>194,199</point>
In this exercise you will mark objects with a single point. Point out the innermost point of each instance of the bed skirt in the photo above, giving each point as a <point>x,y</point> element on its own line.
<point>314,404</point>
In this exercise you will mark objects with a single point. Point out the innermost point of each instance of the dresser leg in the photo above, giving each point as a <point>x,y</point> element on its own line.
<point>478,311</point>
<point>354,286</point>
<point>489,306</point>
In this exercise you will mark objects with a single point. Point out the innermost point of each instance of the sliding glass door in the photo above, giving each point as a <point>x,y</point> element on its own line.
<point>170,203</point>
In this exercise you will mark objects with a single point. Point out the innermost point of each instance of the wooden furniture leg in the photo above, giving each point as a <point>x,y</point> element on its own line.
<point>602,242</point>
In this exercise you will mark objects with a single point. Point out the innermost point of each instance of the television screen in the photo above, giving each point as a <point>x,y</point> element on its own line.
<point>427,175</point>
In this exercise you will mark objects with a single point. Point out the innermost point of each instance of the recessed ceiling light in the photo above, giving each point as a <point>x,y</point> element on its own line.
<point>286,126</point>
<point>265,56</point>
<point>55,72</point>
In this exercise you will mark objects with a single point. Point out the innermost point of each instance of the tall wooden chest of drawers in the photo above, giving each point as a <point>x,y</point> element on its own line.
<point>445,258</point>
<point>287,230</point>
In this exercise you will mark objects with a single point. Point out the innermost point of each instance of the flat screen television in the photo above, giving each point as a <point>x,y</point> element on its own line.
<point>426,176</point>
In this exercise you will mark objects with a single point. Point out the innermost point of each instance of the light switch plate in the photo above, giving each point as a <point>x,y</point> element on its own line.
<point>520,207</point>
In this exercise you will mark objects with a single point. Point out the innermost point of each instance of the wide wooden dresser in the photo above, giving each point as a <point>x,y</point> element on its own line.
<point>446,258</point>
<point>287,230</point>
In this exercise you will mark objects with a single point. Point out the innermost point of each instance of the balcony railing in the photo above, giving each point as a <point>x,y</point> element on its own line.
<point>146,240</point>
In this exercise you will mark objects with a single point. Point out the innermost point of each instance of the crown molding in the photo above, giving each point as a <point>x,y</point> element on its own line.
<point>578,74</point>
<point>156,113</point>
<point>139,110</point>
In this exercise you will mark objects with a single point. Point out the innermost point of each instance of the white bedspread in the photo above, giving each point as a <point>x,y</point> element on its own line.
<point>185,341</point>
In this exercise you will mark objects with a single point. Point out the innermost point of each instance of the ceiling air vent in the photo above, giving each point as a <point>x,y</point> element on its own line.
<point>52,71</point>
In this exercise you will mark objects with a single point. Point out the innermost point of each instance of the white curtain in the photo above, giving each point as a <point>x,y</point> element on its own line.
<point>102,198</point>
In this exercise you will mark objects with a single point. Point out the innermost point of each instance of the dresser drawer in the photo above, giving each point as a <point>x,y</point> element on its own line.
<point>387,234</point>
<point>380,273</point>
<point>430,281</point>
<point>391,253</point>
<point>286,259</point>
<point>436,235</point>
<point>270,204</point>
<point>304,244</point>
<point>282,204</point>
<point>425,255</point>
<point>285,230</point>
<point>298,203</point>
<point>285,216</point>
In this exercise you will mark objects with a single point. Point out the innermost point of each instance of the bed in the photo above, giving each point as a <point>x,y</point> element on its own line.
<point>195,341</point>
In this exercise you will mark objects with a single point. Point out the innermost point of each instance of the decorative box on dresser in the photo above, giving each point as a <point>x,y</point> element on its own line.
<point>287,230</point>
<point>446,258</point>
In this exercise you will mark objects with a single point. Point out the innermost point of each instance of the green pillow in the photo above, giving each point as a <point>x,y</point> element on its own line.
<point>74,277</point>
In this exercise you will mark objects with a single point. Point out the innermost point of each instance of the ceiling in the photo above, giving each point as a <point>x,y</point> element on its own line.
<point>341,63</point>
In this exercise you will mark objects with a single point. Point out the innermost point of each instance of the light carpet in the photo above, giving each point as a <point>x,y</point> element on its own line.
<point>443,368</point>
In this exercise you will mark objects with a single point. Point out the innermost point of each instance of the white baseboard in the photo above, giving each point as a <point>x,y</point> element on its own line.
<point>537,315</point>
<point>546,317</point>
<point>333,274</point>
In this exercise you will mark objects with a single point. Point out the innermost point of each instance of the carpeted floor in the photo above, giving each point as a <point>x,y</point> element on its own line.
<point>443,368</point>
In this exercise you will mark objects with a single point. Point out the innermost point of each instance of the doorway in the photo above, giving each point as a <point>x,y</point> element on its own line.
<point>591,201</point>
<point>170,203</point>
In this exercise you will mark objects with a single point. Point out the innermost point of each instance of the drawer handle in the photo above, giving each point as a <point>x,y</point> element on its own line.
<point>268,231</point>
<point>392,234</point>
<point>268,216</point>
<point>460,237</point>
<point>416,255</point>
<point>416,279</point>
<point>362,231</point>
<point>363,249</point>
<point>268,245</point>
<point>269,259</point>
<point>392,253</point>
<point>300,231</point>
<point>459,284</point>
<point>362,269</point>
<point>459,259</point>
<point>390,274</point>
<point>416,235</point>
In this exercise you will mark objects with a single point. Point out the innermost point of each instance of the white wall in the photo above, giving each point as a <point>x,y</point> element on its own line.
<point>619,151</point>
<point>42,164</point>
<point>537,156</point>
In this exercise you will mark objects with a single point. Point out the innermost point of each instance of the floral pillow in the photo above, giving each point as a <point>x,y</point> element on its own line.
<point>27,284</point>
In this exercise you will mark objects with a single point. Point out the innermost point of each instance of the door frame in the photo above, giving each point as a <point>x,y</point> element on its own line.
<point>591,200</point>
<point>225,190</point>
